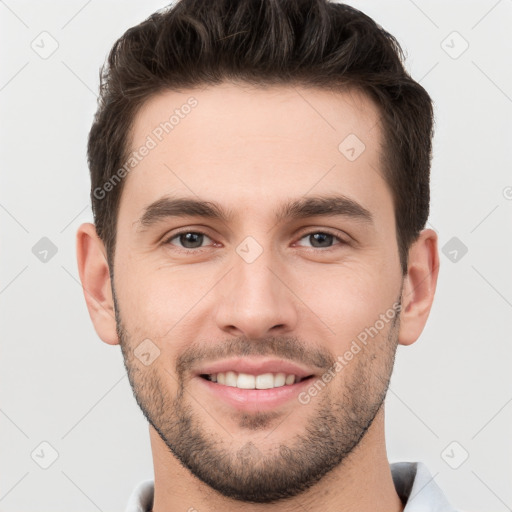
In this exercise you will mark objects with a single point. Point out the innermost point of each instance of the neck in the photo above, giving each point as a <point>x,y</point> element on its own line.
<point>362,482</point>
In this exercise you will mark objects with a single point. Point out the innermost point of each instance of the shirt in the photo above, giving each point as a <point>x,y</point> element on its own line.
<point>413,482</point>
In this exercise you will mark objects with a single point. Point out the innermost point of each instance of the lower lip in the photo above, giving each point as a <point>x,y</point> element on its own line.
<point>251,400</point>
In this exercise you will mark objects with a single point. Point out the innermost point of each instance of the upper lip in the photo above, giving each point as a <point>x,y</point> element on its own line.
<point>255,366</point>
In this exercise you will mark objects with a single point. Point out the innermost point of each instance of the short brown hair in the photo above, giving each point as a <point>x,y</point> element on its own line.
<point>266,42</point>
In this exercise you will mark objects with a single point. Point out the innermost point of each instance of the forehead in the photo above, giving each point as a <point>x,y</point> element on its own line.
<point>225,114</point>
<point>255,145</point>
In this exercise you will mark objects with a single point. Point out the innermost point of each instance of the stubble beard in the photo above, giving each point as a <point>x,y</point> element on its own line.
<point>249,473</point>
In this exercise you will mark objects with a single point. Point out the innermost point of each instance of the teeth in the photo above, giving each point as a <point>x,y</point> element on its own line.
<point>265,381</point>
<point>290,379</point>
<point>247,381</point>
<point>280,379</point>
<point>231,379</point>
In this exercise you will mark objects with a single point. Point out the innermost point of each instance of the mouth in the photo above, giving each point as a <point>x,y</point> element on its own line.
<point>249,381</point>
<point>253,384</point>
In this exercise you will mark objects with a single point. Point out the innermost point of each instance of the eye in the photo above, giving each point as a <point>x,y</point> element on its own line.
<point>322,239</point>
<point>192,241</point>
<point>189,240</point>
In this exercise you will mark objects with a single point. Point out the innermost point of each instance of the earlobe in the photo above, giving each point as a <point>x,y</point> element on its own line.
<point>95,278</point>
<point>419,286</point>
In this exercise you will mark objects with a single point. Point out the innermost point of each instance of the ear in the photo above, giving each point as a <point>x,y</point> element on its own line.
<point>95,278</point>
<point>419,286</point>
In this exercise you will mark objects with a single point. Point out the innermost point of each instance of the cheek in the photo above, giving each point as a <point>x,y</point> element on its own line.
<point>348,300</point>
<point>158,302</point>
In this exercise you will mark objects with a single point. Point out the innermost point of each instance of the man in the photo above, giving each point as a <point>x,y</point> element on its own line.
<point>260,188</point>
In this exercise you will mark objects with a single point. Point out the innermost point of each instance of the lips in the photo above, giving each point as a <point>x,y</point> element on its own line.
<point>254,384</point>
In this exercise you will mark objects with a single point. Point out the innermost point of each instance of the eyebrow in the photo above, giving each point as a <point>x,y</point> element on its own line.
<point>310,206</point>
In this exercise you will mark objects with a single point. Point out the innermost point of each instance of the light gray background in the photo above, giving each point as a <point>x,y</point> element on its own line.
<point>62,385</point>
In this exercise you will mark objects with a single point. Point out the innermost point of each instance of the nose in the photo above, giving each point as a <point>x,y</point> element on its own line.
<point>256,299</point>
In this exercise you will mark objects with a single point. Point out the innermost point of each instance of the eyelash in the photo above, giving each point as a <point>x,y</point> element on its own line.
<point>303,235</point>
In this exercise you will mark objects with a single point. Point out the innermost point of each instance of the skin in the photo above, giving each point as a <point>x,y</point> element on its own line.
<point>251,149</point>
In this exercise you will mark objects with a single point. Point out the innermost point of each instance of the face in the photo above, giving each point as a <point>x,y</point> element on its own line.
<point>259,327</point>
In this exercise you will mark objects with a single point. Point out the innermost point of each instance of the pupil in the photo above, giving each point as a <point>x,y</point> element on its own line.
<point>192,238</point>
<point>321,237</point>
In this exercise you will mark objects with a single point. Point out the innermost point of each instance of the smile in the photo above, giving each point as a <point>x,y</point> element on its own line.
<point>248,381</point>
